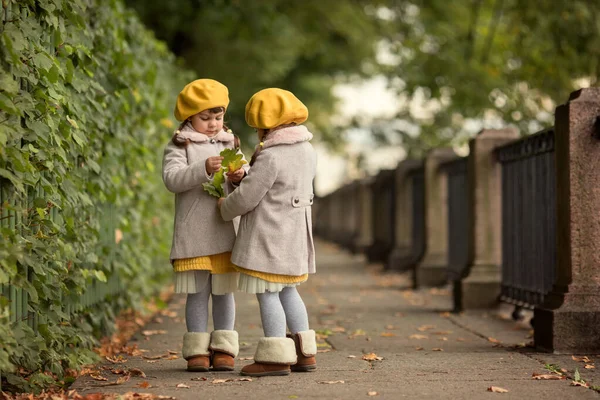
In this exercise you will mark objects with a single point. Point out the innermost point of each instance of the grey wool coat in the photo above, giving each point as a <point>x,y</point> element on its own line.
<point>274,200</point>
<point>199,230</point>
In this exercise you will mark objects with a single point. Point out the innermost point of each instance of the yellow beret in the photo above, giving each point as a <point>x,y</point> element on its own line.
<point>200,95</point>
<point>273,107</point>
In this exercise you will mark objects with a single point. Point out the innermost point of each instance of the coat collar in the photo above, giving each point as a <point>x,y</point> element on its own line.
<point>291,135</point>
<point>188,132</point>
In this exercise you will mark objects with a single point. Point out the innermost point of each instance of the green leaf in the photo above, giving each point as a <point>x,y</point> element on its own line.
<point>211,189</point>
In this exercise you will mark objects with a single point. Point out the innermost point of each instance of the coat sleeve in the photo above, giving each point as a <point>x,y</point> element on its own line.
<point>177,174</point>
<point>252,188</point>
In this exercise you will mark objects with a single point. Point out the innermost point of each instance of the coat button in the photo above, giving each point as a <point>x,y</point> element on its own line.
<point>296,201</point>
<point>212,141</point>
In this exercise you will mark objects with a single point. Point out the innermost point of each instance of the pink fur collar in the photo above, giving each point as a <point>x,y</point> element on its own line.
<point>188,132</point>
<point>291,135</point>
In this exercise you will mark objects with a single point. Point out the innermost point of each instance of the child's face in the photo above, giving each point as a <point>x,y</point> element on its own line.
<point>207,122</point>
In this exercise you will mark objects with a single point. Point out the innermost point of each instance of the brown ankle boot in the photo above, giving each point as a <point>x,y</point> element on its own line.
<point>273,357</point>
<point>306,349</point>
<point>196,352</point>
<point>222,361</point>
<point>198,364</point>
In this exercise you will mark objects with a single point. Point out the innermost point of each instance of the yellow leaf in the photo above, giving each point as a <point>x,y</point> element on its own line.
<point>388,334</point>
<point>424,328</point>
<point>497,389</point>
<point>372,394</point>
<point>547,377</point>
<point>417,336</point>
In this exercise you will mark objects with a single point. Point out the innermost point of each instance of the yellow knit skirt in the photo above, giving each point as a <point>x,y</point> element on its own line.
<point>192,274</point>
<point>251,281</point>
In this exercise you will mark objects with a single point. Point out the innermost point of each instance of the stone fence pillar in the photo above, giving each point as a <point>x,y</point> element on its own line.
<point>481,288</point>
<point>569,319</point>
<point>432,270</point>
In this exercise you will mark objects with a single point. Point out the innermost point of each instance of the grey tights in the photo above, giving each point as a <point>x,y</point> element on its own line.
<point>278,308</point>
<point>196,310</point>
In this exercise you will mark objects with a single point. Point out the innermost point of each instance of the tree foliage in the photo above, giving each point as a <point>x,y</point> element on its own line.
<point>303,46</point>
<point>502,61</point>
<point>85,99</point>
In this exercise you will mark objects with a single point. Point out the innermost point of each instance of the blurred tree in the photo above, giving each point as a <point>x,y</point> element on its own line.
<point>507,61</point>
<point>303,46</point>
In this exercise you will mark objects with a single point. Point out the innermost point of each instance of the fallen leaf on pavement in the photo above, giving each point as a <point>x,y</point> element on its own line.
<point>372,357</point>
<point>137,372</point>
<point>493,340</point>
<point>547,377</point>
<point>331,382</point>
<point>323,350</point>
<point>419,348</point>
<point>372,394</point>
<point>153,357</point>
<point>417,336</point>
<point>576,383</point>
<point>441,333</point>
<point>461,339</point>
<point>424,328</point>
<point>182,386</point>
<point>220,380</point>
<point>122,379</point>
<point>245,379</point>
<point>172,352</point>
<point>351,356</point>
<point>202,378</point>
<point>339,329</point>
<point>154,332</point>
<point>172,358</point>
<point>445,314</point>
<point>144,385</point>
<point>584,359</point>
<point>98,377</point>
<point>589,366</point>
<point>391,327</point>
<point>388,334</point>
<point>151,361</point>
<point>444,339</point>
<point>437,349</point>
<point>497,389</point>
<point>116,360</point>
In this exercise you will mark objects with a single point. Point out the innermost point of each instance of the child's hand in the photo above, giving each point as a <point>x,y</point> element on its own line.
<point>213,164</point>
<point>236,175</point>
<point>221,199</point>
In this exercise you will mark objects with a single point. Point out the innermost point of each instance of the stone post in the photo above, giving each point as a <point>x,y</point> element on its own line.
<point>569,319</point>
<point>365,221</point>
<point>403,250</point>
<point>432,270</point>
<point>481,288</point>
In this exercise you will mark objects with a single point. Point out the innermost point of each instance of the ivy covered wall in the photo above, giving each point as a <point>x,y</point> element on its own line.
<point>86,97</point>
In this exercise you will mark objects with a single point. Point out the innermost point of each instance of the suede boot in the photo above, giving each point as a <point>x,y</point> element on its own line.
<point>306,349</point>
<point>196,351</point>
<point>225,347</point>
<point>273,357</point>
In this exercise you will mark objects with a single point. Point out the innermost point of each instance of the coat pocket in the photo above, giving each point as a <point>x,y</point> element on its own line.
<point>302,201</point>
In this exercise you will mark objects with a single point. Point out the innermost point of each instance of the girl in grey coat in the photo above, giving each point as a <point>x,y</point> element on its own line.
<point>202,241</point>
<point>274,249</point>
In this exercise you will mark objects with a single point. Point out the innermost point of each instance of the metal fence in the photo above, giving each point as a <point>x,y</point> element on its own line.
<point>383,211</point>
<point>458,218</point>
<point>529,219</point>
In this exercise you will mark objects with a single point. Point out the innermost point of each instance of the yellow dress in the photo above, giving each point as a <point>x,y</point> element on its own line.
<point>190,279</point>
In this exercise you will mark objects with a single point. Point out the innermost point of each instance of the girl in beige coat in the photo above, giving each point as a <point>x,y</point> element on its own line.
<point>274,249</point>
<point>202,241</point>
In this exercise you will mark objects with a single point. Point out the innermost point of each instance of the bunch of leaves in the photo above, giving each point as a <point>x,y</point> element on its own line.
<point>232,161</point>
<point>80,196</point>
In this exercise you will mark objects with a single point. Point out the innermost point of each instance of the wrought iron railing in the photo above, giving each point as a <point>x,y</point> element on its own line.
<point>529,219</point>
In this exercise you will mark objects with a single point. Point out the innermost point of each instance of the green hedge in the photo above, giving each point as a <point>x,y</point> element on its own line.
<point>86,94</point>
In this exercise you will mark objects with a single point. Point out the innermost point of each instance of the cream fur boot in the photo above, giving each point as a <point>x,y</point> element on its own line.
<point>273,356</point>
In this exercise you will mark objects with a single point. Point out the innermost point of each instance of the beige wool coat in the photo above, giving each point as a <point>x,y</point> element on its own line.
<point>274,200</point>
<point>199,230</point>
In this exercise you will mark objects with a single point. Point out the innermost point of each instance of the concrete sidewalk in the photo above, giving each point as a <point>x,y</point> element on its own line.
<point>426,352</point>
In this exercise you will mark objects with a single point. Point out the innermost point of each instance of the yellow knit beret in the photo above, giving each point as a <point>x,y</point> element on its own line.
<point>200,95</point>
<point>273,107</point>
